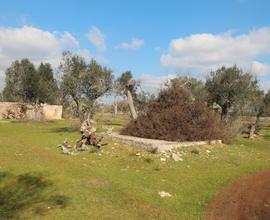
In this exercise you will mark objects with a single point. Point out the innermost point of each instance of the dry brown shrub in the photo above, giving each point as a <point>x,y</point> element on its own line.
<point>174,116</point>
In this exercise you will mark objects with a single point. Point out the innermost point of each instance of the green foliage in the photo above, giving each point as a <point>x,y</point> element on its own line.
<point>26,84</point>
<point>21,82</point>
<point>142,100</point>
<point>266,104</point>
<point>84,83</point>
<point>124,83</point>
<point>48,90</point>
<point>231,89</point>
<point>126,86</point>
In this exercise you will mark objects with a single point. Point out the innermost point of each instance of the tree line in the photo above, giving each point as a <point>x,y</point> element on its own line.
<point>229,90</point>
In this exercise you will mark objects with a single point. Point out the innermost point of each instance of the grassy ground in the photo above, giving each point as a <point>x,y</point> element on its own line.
<point>38,182</point>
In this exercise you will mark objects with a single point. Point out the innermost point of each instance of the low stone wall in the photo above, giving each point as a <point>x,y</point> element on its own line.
<point>52,112</point>
<point>160,145</point>
<point>44,111</point>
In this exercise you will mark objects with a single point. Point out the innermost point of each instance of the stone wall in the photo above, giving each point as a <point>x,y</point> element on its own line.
<point>159,145</point>
<point>43,112</point>
<point>52,112</point>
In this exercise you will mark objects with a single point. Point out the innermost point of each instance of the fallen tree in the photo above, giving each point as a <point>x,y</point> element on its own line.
<point>89,137</point>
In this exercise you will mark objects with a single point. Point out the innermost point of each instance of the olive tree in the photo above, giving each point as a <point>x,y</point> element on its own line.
<point>125,85</point>
<point>231,89</point>
<point>84,82</point>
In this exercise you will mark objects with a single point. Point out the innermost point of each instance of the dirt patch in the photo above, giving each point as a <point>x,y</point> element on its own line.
<point>96,182</point>
<point>248,198</point>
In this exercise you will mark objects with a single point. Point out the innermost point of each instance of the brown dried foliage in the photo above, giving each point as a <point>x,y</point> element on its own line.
<point>174,116</point>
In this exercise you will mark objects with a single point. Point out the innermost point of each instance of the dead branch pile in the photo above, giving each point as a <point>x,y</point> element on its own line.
<point>18,113</point>
<point>89,137</point>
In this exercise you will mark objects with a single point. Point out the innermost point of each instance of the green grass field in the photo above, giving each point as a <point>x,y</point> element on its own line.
<point>38,182</point>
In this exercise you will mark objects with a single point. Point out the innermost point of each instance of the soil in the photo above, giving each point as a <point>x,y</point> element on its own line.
<point>246,199</point>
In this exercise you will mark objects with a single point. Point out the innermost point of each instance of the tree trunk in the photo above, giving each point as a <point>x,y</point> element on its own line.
<point>131,105</point>
<point>80,115</point>
<point>115,109</point>
<point>254,128</point>
<point>252,131</point>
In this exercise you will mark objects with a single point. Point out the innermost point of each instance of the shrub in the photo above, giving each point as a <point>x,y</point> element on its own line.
<point>175,116</point>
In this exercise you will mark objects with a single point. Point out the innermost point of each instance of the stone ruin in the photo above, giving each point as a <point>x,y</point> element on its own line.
<point>16,110</point>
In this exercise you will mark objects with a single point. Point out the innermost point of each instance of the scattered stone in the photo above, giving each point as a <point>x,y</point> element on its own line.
<point>208,151</point>
<point>176,157</point>
<point>138,154</point>
<point>183,153</point>
<point>162,159</point>
<point>164,194</point>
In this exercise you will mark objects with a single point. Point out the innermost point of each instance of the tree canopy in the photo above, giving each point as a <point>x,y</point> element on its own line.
<point>231,89</point>
<point>84,82</point>
<point>25,83</point>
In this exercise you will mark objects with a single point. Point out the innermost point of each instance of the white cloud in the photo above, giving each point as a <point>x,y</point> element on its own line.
<point>259,68</point>
<point>102,59</point>
<point>153,83</point>
<point>85,54</point>
<point>265,85</point>
<point>35,44</point>
<point>202,52</point>
<point>68,40</point>
<point>97,38</point>
<point>135,44</point>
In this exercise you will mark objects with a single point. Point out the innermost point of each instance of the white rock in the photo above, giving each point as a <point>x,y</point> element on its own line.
<point>164,194</point>
<point>162,159</point>
<point>176,157</point>
<point>138,154</point>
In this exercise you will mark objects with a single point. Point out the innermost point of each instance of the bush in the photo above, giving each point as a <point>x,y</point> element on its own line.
<point>174,116</point>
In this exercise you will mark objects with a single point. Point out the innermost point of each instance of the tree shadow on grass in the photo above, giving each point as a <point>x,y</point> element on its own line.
<point>63,130</point>
<point>266,132</point>
<point>28,192</point>
<point>266,137</point>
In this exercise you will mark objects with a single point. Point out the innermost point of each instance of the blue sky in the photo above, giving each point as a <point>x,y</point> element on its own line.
<point>153,39</point>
